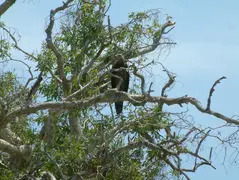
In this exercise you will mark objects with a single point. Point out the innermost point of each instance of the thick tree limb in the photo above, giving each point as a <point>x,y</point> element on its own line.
<point>111,96</point>
<point>5,6</point>
<point>9,136</point>
<point>14,150</point>
<point>74,124</point>
<point>48,130</point>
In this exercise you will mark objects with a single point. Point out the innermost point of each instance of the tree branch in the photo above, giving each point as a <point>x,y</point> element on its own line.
<point>16,44</point>
<point>91,63</point>
<point>81,90</point>
<point>51,46</point>
<point>35,87</point>
<point>141,77</point>
<point>5,6</point>
<point>156,41</point>
<point>47,175</point>
<point>211,92</point>
<point>145,50</point>
<point>111,96</point>
<point>13,150</point>
<point>57,166</point>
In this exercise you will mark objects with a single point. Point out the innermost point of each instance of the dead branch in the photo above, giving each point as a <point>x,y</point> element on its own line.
<point>150,89</point>
<point>126,148</point>
<point>57,79</point>
<point>211,92</point>
<point>171,80</point>
<point>14,150</point>
<point>16,44</point>
<point>51,46</point>
<point>25,64</point>
<point>176,169</point>
<point>81,90</point>
<point>141,78</point>
<point>156,40</point>
<point>92,62</point>
<point>111,96</point>
<point>8,135</point>
<point>144,50</point>
<point>5,6</point>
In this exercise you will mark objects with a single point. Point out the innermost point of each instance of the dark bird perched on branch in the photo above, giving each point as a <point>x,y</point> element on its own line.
<point>35,87</point>
<point>120,79</point>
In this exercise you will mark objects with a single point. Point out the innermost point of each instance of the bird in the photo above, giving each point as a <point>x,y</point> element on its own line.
<point>124,74</point>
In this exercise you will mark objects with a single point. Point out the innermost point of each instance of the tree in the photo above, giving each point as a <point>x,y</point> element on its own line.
<point>70,98</point>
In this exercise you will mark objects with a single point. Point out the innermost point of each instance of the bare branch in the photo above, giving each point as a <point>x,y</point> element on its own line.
<point>92,62</point>
<point>126,148</point>
<point>5,6</point>
<point>111,96</point>
<point>13,150</point>
<point>8,135</point>
<point>211,92</point>
<point>141,78</point>
<point>58,80</point>
<point>169,83</point>
<point>200,142</point>
<point>156,41</point>
<point>81,90</point>
<point>50,45</point>
<point>150,89</point>
<point>175,168</point>
<point>16,44</point>
<point>25,64</point>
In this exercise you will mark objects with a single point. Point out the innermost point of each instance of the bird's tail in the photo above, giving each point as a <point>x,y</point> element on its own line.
<point>119,107</point>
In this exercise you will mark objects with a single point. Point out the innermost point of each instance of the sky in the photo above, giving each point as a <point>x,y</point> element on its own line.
<point>207,48</point>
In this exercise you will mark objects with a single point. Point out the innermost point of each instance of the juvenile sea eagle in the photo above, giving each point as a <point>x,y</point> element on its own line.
<point>122,73</point>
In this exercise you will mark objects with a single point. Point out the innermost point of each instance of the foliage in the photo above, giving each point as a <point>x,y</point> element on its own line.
<point>71,102</point>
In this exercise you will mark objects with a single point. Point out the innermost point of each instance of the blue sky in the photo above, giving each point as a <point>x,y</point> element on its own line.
<point>208,48</point>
